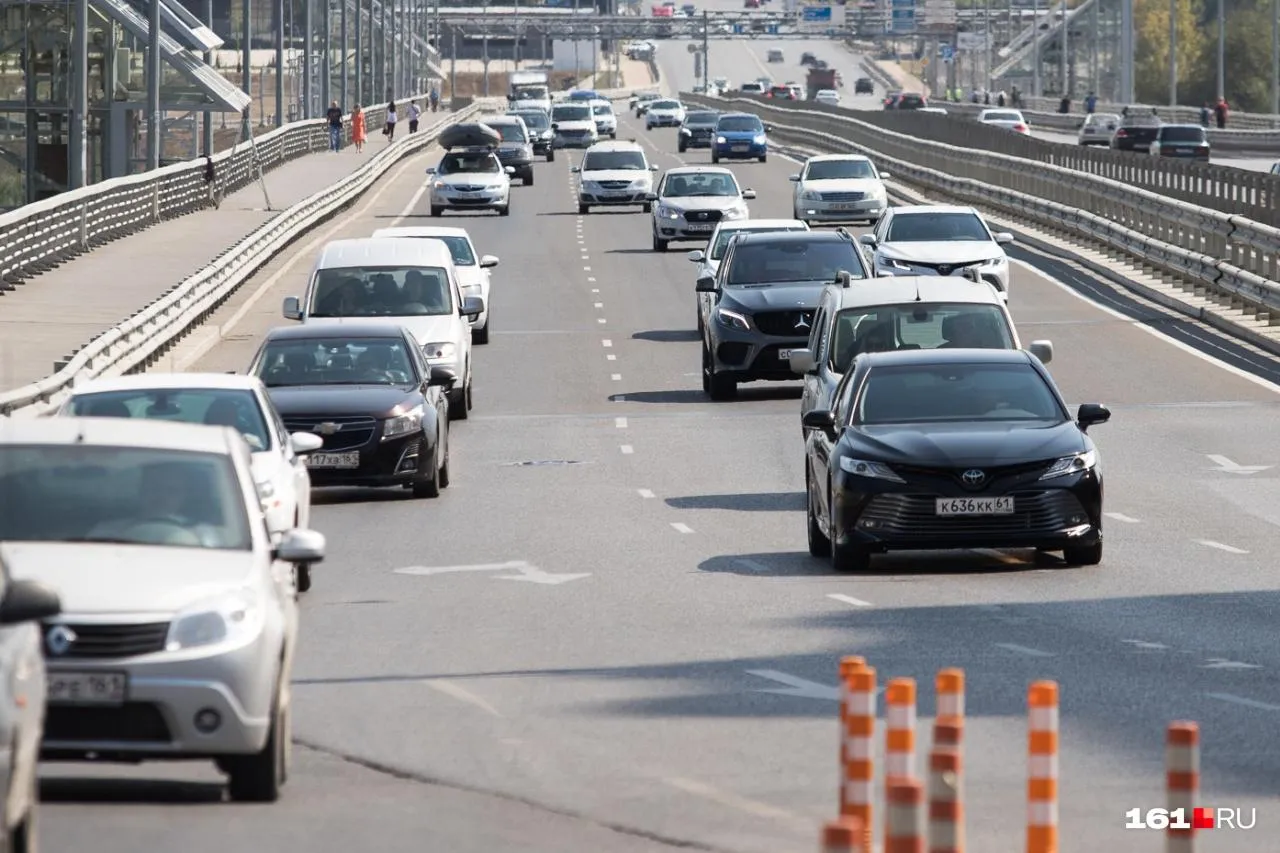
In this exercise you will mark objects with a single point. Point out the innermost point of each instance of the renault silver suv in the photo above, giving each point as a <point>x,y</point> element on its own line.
<point>763,300</point>
<point>692,200</point>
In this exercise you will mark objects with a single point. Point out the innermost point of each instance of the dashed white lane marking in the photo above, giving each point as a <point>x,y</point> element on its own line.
<point>1223,663</point>
<point>681,527</point>
<point>645,493</point>
<point>610,357</point>
<point>595,289</point>
<point>627,450</point>
<point>606,342</point>
<point>1147,645</point>
<point>599,304</point>
<point>616,377</point>
<point>1230,549</point>
<point>620,423</point>
<point>849,599</point>
<point>592,278</point>
<point>1241,700</point>
<point>1120,516</point>
<point>1024,650</point>
<point>586,269</point>
<point>601,320</point>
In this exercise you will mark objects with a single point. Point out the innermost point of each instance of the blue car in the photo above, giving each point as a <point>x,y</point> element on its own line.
<point>740,136</point>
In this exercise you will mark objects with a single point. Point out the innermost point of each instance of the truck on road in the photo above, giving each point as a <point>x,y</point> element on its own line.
<point>529,88</point>
<point>818,79</point>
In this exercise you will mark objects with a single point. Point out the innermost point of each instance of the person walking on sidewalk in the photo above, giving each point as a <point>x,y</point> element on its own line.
<point>334,115</point>
<point>358,131</point>
<point>414,112</point>
<point>435,99</point>
<point>390,130</point>
<point>1220,112</point>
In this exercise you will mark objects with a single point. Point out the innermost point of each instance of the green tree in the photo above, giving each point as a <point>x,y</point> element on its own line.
<point>1248,56</point>
<point>1151,53</point>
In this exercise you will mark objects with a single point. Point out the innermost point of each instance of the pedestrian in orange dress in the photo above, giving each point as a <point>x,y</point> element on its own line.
<point>357,127</point>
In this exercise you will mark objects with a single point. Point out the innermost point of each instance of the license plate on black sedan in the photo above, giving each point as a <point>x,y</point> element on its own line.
<point>333,460</point>
<point>975,506</point>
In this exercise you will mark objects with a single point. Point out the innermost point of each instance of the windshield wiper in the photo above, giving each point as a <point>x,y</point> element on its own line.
<point>104,540</point>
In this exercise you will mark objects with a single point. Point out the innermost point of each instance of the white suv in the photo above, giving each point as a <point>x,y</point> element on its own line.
<point>839,188</point>
<point>614,173</point>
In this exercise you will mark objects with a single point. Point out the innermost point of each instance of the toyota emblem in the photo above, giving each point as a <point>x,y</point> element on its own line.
<point>973,477</point>
<point>945,270</point>
<point>59,640</point>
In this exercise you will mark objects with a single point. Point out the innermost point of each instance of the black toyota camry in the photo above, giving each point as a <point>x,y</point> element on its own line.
<point>951,448</point>
<point>367,391</point>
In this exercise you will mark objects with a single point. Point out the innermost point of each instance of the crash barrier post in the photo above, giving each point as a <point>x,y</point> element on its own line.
<point>946,808</point>
<point>1042,767</point>
<point>905,812</point>
<point>1182,779</point>
<point>857,792</point>
<point>843,835</point>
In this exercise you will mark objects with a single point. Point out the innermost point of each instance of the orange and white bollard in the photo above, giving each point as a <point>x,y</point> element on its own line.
<point>848,666</point>
<point>900,739</point>
<point>946,811</point>
<point>905,812</point>
<point>1182,779</point>
<point>1042,767</point>
<point>843,836</point>
<point>948,731</point>
<point>949,686</point>
<point>858,793</point>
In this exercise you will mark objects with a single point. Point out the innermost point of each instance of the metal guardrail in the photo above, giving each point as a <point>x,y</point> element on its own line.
<point>1239,192</point>
<point>36,237</point>
<point>1181,115</point>
<point>1221,252</point>
<point>144,336</point>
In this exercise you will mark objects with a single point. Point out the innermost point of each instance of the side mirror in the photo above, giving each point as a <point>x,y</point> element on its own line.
<point>868,240</point>
<point>653,167</point>
<point>823,419</point>
<point>301,546</point>
<point>510,170</point>
<point>884,175</point>
<point>795,179</point>
<point>305,442</point>
<point>575,170</point>
<point>442,377</point>
<point>697,256</point>
<point>431,170</point>
<point>1004,238</point>
<point>488,261</point>
<point>28,601</point>
<point>1042,350</point>
<point>650,196</point>
<point>555,125</point>
<point>292,309</point>
<point>748,194</point>
<point>472,307</point>
<point>802,361</point>
<point>706,284</point>
<point>1092,413</point>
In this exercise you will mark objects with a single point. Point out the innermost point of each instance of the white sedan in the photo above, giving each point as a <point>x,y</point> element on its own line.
<point>1005,119</point>
<point>830,97</point>
<point>218,399</point>
<point>664,113</point>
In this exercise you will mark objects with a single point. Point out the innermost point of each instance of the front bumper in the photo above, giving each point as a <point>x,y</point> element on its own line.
<point>868,210</point>
<point>696,140</point>
<point>752,356</point>
<point>682,229</point>
<point>996,276</point>
<point>740,150</point>
<point>606,128</point>
<point>652,121</point>
<point>574,141</point>
<point>395,462</point>
<point>484,199</point>
<point>605,196</point>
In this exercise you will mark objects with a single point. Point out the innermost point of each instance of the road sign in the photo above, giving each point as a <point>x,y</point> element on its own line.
<point>815,14</point>
<point>946,52</point>
<point>904,20</point>
<point>971,41</point>
<point>935,12</point>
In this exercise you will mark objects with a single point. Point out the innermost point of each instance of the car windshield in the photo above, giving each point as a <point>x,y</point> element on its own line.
<point>600,161</point>
<point>1102,118</point>
<point>688,186</point>
<point>121,495</point>
<point>942,393</point>
<point>665,105</point>
<point>829,170</point>
<point>509,132</point>
<point>726,234</point>
<point>740,124</point>
<point>534,119</point>
<point>381,292</point>
<point>602,109</point>
<point>1007,115</point>
<point>701,118</point>
<point>570,112</point>
<point>531,93</point>
<point>917,326</point>
<point>936,227</point>
<point>335,360</point>
<point>770,262</point>
<point>231,407</point>
<point>471,162</point>
<point>1181,134</point>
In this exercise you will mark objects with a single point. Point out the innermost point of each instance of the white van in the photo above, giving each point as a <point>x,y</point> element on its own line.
<point>411,283</point>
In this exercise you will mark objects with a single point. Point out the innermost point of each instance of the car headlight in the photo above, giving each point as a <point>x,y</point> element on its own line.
<point>496,188</point>
<point>665,212</point>
<point>758,139</point>
<point>439,185</point>
<point>873,470</point>
<point>810,195</point>
<point>894,263</point>
<point>877,192</point>
<point>231,618</point>
<point>641,183</point>
<point>991,262</point>
<point>720,140</point>
<point>266,490</point>
<point>733,319</point>
<point>1074,464</point>
<point>441,351</point>
<point>737,212</point>
<point>410,421</point>
<point>684,131</point>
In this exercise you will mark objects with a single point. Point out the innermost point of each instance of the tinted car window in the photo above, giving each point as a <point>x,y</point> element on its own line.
<point>335,361</point>
<point>827,170</point>
<point>212,406</point>
<point>381,292</point>
<point>665,105</point>
<point>534,119</point>
<point>688,186</point>
<point>468,163</point>
<point>792,261</point>
<point>570,112</point>
<point>740,124</point>
<point>1182,134</point>
<point>727,234</point>
<point>701,118</point>
<point>459,247</point>
<point>934,227</point>
<point>917,326</point>
<point>510,132</point>
<point>910,102</point>
<point>955,392</point>
<point>597,161</point>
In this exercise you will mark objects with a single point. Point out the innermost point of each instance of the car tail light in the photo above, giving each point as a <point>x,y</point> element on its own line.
<point>1021,128</point>
<point>1122,133</point>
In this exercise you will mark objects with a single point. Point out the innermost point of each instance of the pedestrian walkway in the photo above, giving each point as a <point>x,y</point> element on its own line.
<point>48,317</point>
<point>906,81</point>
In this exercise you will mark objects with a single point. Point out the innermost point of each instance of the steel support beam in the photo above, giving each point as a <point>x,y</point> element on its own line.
<point>79,96</point>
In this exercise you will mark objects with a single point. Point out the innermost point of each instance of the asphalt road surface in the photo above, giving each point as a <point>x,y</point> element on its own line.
<point>614,639</point>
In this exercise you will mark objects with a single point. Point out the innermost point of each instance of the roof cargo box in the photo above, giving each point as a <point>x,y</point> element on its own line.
<point>469,135</point>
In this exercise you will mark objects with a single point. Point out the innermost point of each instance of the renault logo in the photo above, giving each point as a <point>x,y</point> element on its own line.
<point>59,640</point>
<point>973,477</point>
<point>802,322</point>
<point>328,428</point>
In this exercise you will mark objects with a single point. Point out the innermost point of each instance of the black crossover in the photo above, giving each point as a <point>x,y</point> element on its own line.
<point>698,130</point>
<point>951,448</point>
<point>368,392</point>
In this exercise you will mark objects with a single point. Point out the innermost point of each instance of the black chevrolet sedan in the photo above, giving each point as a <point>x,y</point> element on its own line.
<point>367,391</point>
<point>951,448</point>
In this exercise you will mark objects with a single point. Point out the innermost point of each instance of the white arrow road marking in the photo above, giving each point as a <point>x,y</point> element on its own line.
<point>1223,663</point>
<point>1241,700</point>
<point>795,686</point>
<point>1143,644</point>
<point>1226,466</point>
<point>527,572</point>
<point>533,574</point>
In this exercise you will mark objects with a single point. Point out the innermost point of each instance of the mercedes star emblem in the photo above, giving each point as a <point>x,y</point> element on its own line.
<point>59,640</point>
<point>973,477</point>
<point>802,322</point>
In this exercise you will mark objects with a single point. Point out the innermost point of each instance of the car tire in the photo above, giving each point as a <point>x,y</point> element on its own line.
<point>659,245</point>
<point>584,209</point>
<point>437,211</point>
<point>429,487</point>
<point>719,388</point>
<point>258,778</point>
<point>460,403</point>
<point>849,558</point>
<point>613,135</point>
<point>527,177</point>
<point>764,158</point>
<point>551,156</point>
<point>681,147</point>
<point>302,577</point>
<point>1083,555</point>
<point>445,477</point>
<point>819,544</point>
<point>505,210</point>
<point>480,336</point>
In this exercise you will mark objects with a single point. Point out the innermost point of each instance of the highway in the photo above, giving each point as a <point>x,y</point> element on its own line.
<point>608,634</point>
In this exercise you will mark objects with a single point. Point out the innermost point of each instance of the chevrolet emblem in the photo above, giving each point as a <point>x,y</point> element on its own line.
<point>328,428</point>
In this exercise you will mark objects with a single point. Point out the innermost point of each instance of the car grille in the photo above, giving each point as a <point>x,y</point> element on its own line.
<point>944,269</point>
<point>785,324</point>
<point>575,134</point>
<point>996,475</point>
<point>843,196</point>
<point>132,722</point>
<point>505,154</point>
<point>915,518</point>
<point>700,132</point>
<point>110,641</point>
<point>352,432</point>
<point>615,185</point>
<point>468,188</point>
<point>703,215</point>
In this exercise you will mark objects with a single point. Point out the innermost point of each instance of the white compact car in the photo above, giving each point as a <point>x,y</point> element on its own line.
<point>1006,119</point>
<point>664,113</point>
<point>217,399</point>
<point>606,120</point>
<point>411,283</point>
<point>1098,128</point>
<point>614,173</point>
<point>692,200</point>
<point>179,617</point>
<point>574,125</point>
<point>839,188</point>
<point>830,97</point>
<point>708,261</point>
<point>939,240</point>
<point>470,179</point>
<point>472,269</point>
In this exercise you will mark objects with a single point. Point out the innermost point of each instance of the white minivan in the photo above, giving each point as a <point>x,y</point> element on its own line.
<point>411,283</point>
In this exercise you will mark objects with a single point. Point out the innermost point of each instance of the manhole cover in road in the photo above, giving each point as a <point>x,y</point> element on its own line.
<point>534,463</point>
